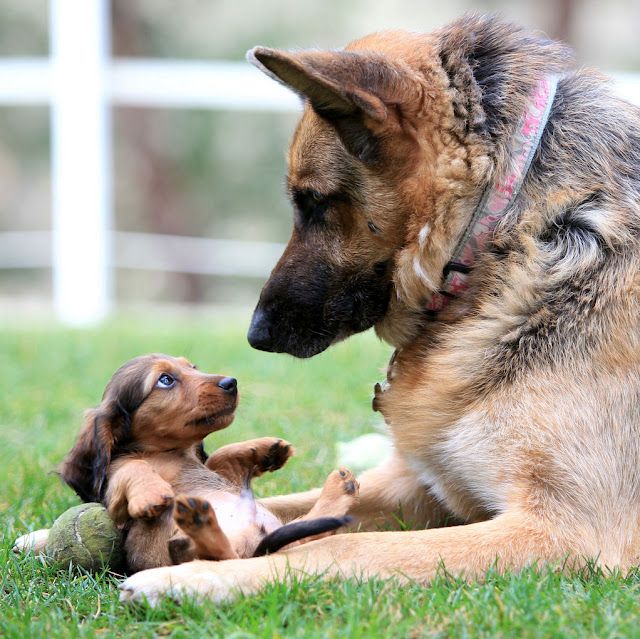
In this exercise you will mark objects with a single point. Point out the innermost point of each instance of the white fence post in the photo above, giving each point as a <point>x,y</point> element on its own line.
<point>81,159</point>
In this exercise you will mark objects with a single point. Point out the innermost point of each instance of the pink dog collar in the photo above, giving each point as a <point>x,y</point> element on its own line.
<point>500,195</point>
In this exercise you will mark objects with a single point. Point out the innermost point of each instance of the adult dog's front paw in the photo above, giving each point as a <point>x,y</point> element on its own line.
<point>215,581</point>
<point>175,583</point>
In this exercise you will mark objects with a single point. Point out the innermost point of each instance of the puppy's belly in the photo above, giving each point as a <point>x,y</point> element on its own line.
<point>237,513</point>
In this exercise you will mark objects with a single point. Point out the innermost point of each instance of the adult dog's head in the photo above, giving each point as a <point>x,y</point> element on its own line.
<point>399,135</point>
<point>152,403</point>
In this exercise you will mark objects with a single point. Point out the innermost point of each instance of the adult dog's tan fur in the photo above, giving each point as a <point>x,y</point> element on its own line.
<point>517,411</point>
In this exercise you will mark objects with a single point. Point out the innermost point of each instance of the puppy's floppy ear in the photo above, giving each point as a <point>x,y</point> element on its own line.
<point>85,467</point>
<point>107,428</point>
<point>346,88</point>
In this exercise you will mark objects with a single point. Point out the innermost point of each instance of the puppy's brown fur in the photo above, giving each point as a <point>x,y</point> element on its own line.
<point>516,411</point>
<point>140,452</point>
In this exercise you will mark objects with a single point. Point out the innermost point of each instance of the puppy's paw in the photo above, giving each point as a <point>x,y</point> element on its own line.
<point>197,519</point>
<point>251,458</point>
<point>271,453</point>
<point>151,504</point>
<point>192,514</point>
<point>342,482</point>
<point>339,494</point>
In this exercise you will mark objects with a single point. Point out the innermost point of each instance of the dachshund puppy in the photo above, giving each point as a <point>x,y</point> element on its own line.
<point>140,453</point>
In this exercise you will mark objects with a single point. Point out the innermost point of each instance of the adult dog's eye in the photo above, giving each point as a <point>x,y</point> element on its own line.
<point>319,205</point>
<point>311,205</point>
<point>165,381</point>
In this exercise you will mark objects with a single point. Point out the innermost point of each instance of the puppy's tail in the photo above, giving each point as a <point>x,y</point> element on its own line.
<point>298,530</point>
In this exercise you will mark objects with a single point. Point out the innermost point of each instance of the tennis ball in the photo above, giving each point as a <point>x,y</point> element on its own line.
<point>85,536</point>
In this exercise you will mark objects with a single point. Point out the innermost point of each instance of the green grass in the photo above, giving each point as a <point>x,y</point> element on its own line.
<point>50,375</point>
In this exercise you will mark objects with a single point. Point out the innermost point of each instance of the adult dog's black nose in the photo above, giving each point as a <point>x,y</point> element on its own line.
<point>228,384</point>
<point>259,335</point>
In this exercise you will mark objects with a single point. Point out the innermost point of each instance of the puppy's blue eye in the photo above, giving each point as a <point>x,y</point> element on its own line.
<point>165,381</point>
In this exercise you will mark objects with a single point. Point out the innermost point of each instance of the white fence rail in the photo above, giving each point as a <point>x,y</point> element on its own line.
<point>80,82</point>
<point>152,252</point>
<point>152,83</point>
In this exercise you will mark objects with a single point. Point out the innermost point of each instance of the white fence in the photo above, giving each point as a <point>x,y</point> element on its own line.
<point>81,82</point>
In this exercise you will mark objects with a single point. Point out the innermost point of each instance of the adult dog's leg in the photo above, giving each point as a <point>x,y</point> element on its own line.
<point>390,495</point>
<point>508,541</point>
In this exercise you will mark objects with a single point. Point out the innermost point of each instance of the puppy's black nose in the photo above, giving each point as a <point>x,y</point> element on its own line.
<point>228,384</point>
<point>259,335</point>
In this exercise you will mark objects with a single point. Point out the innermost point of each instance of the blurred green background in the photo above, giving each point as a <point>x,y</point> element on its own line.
<point>219,174</point>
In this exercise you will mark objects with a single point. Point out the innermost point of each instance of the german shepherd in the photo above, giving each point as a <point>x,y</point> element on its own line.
<point>514,400</point>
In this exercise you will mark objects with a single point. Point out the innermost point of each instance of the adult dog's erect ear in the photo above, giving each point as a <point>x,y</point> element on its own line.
<point>351,90</point>
<point>329,79</point>
<point>85,467</point>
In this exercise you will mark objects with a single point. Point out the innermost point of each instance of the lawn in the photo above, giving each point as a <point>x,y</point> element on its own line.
<point>50,375</point>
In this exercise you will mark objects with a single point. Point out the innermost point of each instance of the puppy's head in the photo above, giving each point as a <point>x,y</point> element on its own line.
<point>350,165</point>
<point>152,403</point>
